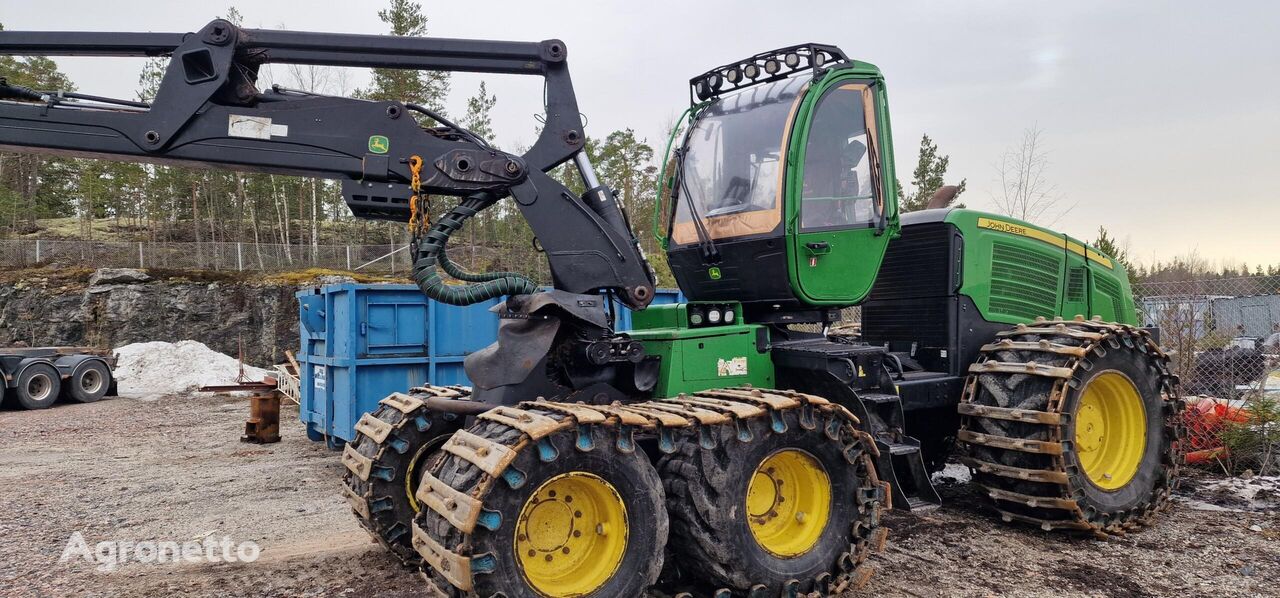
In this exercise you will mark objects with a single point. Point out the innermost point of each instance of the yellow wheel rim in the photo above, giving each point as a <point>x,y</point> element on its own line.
<point>1111,430</point>
<point>571,535</point>
<point>788,503</point>
<point>412,478</point>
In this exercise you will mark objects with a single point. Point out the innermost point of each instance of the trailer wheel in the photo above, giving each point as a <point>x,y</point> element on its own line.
<point>90,382</point>
<point>38,386</point>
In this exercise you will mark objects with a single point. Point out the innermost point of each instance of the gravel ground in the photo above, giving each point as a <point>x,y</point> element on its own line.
<point>173,470</point>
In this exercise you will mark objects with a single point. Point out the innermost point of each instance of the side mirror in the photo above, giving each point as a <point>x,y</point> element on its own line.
<point>942,197</point>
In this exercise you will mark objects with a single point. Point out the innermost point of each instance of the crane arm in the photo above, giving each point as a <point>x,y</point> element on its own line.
<point>209,112</point>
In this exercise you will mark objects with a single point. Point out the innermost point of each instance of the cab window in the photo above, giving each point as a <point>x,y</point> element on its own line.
<point>839,191</point>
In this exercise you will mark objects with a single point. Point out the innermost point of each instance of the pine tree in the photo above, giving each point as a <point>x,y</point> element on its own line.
<point>479,108</point>
<point>1108,245</point>
<point>36,186</point>
<point>426,88</point>
<point>930,174</point>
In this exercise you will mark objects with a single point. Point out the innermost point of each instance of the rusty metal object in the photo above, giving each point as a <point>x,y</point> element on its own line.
<point>266,385</point>
<point>263,425</point>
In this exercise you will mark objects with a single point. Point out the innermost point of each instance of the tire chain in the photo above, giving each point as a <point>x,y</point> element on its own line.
<point>377,433</point>
<point>1066,345</point>
<point>500,434</point>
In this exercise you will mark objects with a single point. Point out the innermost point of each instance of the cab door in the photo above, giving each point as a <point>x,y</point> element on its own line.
<point>841,221</point>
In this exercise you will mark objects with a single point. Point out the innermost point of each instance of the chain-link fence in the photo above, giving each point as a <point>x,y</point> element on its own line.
<point>1224,339</point>
<point>250,257</point>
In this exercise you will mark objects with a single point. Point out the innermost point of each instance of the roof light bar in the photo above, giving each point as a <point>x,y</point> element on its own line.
<point>763,68</point>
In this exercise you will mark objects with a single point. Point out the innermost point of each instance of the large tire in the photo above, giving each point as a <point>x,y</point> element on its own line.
<point>38,386</point>
<point>384,465</point>
<point>1036,429</point>
<point>566,558</point>
<point>89,382</point>
<point>732,526</point>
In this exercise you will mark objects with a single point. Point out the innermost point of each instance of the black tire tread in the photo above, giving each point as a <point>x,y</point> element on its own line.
<point>390,527</point>
<point>696,498</point>
<point>1031,392</point>
<point>462,475</point>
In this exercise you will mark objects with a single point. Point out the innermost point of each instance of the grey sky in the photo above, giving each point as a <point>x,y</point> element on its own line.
<point>1162,119</point>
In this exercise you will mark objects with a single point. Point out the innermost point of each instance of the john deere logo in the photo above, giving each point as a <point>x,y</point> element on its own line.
<point>714,273</point>
<point>379,144</point>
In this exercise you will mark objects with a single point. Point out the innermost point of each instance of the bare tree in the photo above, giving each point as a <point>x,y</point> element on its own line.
<point>1024,191</point>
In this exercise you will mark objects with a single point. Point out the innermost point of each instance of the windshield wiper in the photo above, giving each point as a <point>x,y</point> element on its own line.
<point>710,253</point>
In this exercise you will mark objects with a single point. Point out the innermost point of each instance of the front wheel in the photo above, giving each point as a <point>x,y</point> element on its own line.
<point>790,507</point>
<point>385,463</point>
<point>577,513</point>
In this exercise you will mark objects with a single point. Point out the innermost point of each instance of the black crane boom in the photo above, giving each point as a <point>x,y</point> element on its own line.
<point>208,111</point>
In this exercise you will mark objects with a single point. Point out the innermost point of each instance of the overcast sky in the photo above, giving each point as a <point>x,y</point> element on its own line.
<point>1162,119</point>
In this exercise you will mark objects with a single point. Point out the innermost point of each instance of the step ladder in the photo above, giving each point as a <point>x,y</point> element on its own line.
<point>901,463</point>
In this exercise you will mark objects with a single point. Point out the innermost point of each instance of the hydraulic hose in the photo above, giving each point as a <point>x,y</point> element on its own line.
<point>430,257</point>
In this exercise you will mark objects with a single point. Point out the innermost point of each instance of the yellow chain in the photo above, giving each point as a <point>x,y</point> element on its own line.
<point>415,167</point>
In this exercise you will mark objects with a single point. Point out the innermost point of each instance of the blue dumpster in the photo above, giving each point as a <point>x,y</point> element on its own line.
<point>362,342</point>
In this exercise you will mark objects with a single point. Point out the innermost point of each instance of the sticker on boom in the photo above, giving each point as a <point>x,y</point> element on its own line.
<point>379,144</point>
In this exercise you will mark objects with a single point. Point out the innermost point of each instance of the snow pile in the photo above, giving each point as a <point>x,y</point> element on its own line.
<point>158,369</point>
<point>1253,494</point>
<point>953,473</point>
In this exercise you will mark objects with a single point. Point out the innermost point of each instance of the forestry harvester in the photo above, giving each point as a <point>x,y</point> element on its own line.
<point>733,445</point>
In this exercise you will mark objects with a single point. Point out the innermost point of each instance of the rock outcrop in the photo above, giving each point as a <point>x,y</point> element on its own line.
<point>114,308</point>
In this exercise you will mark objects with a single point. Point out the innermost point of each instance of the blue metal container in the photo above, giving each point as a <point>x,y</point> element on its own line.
<point>362,342</point>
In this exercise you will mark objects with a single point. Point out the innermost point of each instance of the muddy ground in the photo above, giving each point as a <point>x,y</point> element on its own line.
<point>173,470</point>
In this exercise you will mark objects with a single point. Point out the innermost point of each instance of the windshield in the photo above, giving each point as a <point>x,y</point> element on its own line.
<point>732,170</point>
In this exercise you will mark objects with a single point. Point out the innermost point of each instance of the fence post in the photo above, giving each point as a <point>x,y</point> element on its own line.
<point>348,258</point>
<point>141,261</point>
<point>37,251</point>
<point>239,257</point>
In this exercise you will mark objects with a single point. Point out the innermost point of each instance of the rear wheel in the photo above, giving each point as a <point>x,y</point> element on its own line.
<point>785,509</point>
<point>90,382</point>
<point>1074,425</point>
<point>38,386</point>
<point>385,464</point>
